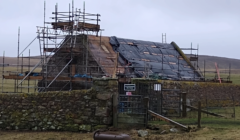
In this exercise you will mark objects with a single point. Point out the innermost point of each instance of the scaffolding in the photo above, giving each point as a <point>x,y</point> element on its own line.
<point>63,40</point>
<point>59,45</point>
<point>208,75</point>
<point>193,58</point>
<point>70,49</point>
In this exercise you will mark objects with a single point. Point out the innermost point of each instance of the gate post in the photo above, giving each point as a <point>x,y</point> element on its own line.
<point>184,108</point>
<point>199,114</point>
<point>146,106</point>
<point>115,111</point>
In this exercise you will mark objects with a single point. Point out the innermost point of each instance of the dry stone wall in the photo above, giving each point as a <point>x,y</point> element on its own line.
<point>215,94</point>
<point>88,110</point>
<point>83,110</point>
<point>209,93</point>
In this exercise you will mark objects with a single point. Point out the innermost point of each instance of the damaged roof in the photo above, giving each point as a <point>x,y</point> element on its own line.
<point>141,58</point>
<point>147,58</point>
<point>104,54</point>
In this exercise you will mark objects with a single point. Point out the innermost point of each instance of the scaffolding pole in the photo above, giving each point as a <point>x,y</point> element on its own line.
<point>3,69</point>
<point>51,36</point>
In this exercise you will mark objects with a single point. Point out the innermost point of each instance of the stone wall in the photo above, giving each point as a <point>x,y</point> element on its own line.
<point>83,110</point>
<point>88,110</point>
<point>224,94</point>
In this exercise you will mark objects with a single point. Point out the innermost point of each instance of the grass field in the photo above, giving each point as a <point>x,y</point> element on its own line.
<point>224,74</point>
<point>235,78</point>
<point>8,85</point>
<point>211,127</point>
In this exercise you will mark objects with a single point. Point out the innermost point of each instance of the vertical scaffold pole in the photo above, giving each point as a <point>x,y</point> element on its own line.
<point>22,70</point>
<point>204,70</point>
<point>3,69</point>
<point>18,54</point>
<point>230,72</point>
<point>162,63</point>
<point>28,69</point>
<point>87,53</point>
<point>178,67</point>
<point>197,55</point>
<point>162,37</point>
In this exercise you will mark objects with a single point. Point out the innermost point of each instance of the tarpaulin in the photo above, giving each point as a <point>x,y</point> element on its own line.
<point>152,58</point>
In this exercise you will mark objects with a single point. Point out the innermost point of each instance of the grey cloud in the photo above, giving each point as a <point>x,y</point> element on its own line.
<point>214,24</point>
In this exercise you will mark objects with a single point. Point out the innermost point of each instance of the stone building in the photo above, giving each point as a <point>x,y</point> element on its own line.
<point>82,57</point>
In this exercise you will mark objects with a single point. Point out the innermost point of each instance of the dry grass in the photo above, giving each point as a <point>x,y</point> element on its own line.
<point>13,135</point>
<point>200,134</point>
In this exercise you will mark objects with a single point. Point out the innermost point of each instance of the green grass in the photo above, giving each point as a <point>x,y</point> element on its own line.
<point>235,78</point>
<point>8,85</point>
<point>207,120</point>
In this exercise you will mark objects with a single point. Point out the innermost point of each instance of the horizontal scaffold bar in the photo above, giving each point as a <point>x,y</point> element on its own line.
<point>77,79</point>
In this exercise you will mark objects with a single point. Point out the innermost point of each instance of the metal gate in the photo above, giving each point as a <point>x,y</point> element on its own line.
<point>147,90</point>
<point>131,110</point>
<point>166,102</point>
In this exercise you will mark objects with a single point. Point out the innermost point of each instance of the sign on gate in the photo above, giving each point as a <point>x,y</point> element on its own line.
<point>129,87</point>
<point>128,93</point>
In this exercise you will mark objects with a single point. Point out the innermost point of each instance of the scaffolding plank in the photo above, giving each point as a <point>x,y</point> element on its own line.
<point>78,79</point>
<point>21,77</point>
<point>62,50</point>
<point>90,26</point>
<point>61,25</point>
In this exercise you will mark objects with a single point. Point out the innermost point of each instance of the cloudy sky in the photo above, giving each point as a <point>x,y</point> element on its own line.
<point>213,24</point>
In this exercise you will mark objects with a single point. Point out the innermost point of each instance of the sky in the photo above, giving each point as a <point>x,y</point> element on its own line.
<point>213,24</point>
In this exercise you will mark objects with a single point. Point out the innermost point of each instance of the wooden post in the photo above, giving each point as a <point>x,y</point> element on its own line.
<point>184,108</point>
<point>146,106</point>
<point>115,104</point>
<point>199,114</point>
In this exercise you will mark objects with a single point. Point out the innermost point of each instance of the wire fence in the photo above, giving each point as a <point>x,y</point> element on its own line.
<point>221,112</point>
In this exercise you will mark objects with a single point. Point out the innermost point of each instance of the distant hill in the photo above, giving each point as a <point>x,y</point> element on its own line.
<point>13,61</point>
<point>222,62</point>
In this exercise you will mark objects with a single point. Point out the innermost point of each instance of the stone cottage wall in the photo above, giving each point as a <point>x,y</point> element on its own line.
<point>83,110</point>
<point>58,61</point>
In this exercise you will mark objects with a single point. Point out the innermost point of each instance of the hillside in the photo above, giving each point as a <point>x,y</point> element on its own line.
<point>13,60</point>
<point>222,62</point>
